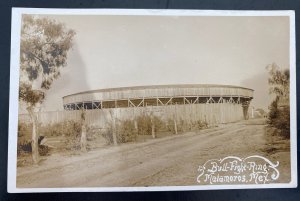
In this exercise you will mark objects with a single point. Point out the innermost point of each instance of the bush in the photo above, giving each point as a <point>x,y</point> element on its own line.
<point>183,126</point>
<point>25,148</point>
<point>24,141</point>
<point>171,125</point>
<point>145,125</point>
<point>201,124</point>
<point>107,134</point>
<point>24,129</point>
<point>126,131</point>
<point>66,128</point>
<point>70,129</point>
<point>279,117</point>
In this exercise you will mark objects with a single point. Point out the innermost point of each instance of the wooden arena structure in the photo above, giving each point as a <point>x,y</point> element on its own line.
<point>214,104</point>
<point>160,96</point>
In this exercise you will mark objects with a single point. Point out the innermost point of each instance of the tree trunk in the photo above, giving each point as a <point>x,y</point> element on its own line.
<point>114,132</point>
<point>136,129</point>
<point>175,119</point>
<point>153,131</point>
<point>34,136</point>
<point>83,131</point>
<point>83,138</point>
<point>152,127</point>
<point>175,126</point>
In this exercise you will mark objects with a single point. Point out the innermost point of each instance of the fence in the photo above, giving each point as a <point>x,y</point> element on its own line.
<point>211,113</point>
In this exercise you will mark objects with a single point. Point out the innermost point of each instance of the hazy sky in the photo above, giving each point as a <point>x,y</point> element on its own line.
<point>118,51</point>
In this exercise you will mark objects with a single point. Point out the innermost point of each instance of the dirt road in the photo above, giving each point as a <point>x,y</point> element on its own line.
<point>166,161</point>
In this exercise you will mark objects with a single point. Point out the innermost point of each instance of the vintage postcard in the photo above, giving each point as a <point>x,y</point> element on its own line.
<point>151,100</point>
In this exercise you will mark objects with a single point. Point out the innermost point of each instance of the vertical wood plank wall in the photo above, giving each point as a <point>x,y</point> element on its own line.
<point>213,114</point>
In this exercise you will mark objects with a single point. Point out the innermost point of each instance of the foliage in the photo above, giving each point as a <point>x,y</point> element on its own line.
<point>43,51</point>
<point>201,124</point>
<point>183,126</point>
<point>144,124</point>
<point>279,81</point>
<point>126,131</point>
<point>280,118</point>
<point>24,130</point>
<point>24,141</point>
<point>279,114</point>
<point>66,128</point>
<point>71,131</point>
<point>171,126</point>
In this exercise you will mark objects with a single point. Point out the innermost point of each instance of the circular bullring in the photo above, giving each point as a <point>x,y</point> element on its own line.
<point>158,95</point>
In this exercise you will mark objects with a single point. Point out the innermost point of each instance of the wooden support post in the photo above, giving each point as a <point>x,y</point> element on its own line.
<point>220,100</point>
<point>131,103</point>
<point>196,101</point>
<point>160,101</point>
<point>170,100</point>
<point>142,102</point>
<point>185,99</point>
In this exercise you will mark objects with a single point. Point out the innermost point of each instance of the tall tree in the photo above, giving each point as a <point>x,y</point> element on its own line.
<point>279,81</point>
<point>279,114</point>
<point>43,52</point>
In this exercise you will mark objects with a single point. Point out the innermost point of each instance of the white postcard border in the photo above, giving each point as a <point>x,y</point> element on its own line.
<point>14,87</point>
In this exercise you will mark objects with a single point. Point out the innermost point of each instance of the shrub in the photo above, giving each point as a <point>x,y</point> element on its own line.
<point>184,125</point>
<point>107,134</point>
<point>201,124</point>
<point>25,148</point>
<point>66,128</point>
<point>24,129</point>
<point>70,129</point>
<point>126,131</point>
<point>279,117</point>
<point>171,125</point>
<point>145,125</point>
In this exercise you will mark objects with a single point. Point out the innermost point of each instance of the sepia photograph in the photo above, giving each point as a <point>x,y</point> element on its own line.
<point>138,100</point>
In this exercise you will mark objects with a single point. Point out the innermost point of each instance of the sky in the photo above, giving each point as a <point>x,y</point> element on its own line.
<point>120,51</point>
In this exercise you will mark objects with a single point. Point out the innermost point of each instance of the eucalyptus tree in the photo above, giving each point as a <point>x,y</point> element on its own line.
<point>44,48</point>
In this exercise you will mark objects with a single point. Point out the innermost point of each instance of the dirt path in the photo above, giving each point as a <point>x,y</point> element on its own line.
<point>167,161</point>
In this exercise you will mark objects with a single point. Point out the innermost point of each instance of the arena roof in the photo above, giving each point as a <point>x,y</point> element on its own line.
<point>159,87</point>
<point>156,95</point>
